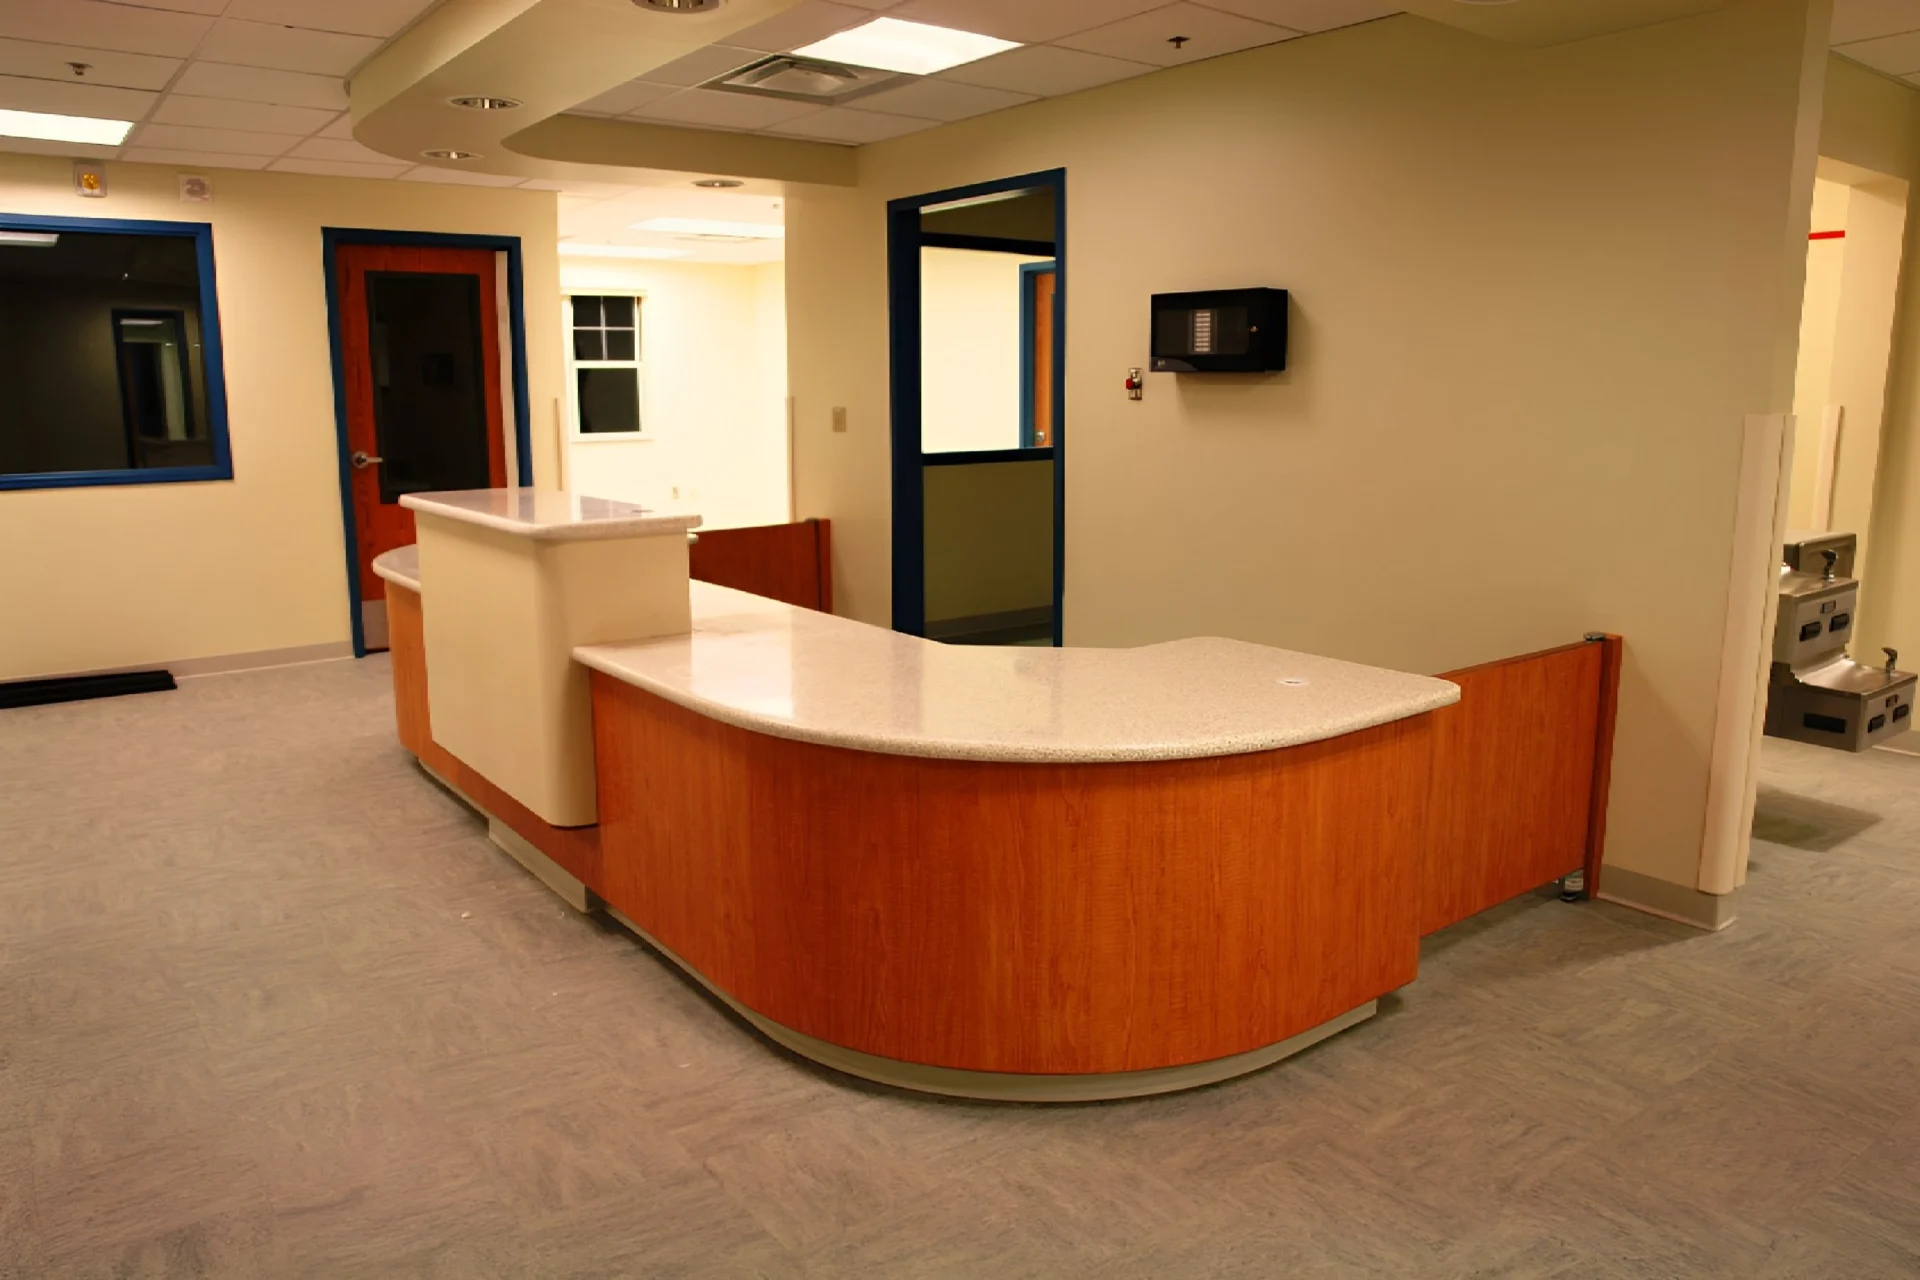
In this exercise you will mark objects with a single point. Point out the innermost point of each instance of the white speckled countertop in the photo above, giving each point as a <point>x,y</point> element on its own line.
<point>400,566</point>
<point>795,673</point>
<point>548,515</point>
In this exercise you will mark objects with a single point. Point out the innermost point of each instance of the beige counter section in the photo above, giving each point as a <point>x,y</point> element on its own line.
<point>521,577</point>
<point>795,673</point>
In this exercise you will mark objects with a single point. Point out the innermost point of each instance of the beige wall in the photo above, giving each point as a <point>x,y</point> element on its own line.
<point>714,407</point>
<point>989,541</point>
<point>148,574</point>
<point>1517,385</point>
<point>970,349</point>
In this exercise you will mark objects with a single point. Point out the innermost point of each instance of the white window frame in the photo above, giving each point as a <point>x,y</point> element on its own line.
<point>638,364</point>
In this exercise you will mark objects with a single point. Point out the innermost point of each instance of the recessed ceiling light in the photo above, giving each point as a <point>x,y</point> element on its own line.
<point>36,239</point>
<point>913,48</point>
<point>485,102</point>
<point>681,6</point>
<point>718,184</point>
<point>572,249</point>
<point>450,153</point>
<point>714,227</point>
<point>53,128</point>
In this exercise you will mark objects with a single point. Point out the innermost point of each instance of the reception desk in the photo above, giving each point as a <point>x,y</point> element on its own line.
<point>1043,874</point>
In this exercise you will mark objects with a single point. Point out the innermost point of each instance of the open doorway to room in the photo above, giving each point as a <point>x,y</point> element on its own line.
<point>430,389</point>
<point>1834,680</point>
<point>977,291</point>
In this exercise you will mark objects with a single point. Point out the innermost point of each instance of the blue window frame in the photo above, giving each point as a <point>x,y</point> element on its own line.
<point>200,388</point>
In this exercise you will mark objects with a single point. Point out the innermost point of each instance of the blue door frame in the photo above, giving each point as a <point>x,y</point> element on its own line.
<point>331,238</point>
<point>904,242</point>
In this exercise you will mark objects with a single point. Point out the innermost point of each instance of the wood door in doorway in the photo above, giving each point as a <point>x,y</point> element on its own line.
<point>420,359</point>
<point>1040,284</point>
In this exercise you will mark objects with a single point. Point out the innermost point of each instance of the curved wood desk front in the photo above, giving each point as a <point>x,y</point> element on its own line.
<point>1012,872</point>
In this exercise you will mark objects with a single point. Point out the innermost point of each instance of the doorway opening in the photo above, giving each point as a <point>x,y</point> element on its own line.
<point>430,388</point>
<point>977,299</point>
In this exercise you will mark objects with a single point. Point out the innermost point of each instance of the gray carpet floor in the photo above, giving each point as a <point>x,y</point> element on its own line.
<point>271,1006</point>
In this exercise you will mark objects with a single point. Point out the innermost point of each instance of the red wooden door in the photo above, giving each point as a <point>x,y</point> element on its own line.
<point>420,357</point>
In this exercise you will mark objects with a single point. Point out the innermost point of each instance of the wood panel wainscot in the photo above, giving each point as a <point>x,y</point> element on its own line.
<point>1017,917</point>
<point>575,849</point>
<point>791,563</point>
<point>1521,766</point>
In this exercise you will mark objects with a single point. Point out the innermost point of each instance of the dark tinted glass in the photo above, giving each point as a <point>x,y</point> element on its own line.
<point>429,394</point>
<point>617,312</point>
<point>586,311</point>
<point>620,344</point>
<point>588,344</point>
<point>609,400</point>
<point>101,365</point>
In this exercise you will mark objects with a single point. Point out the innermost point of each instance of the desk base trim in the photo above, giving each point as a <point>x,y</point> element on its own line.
<point>1001,1086</point>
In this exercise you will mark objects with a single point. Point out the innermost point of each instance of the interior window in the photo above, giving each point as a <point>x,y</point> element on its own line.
<point>606,352</point>
<point>109,349</point>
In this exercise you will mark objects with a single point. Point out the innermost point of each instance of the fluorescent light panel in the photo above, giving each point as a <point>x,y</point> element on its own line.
<point>52,128</point>
<point>36,239</point>
<point>714,227</point>
<point>912,48</point>
<point>647,251</point>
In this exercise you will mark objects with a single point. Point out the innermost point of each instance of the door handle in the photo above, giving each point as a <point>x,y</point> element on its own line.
<point>361,460</point>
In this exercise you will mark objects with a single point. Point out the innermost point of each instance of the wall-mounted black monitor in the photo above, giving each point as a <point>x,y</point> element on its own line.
<point>1220,331</point>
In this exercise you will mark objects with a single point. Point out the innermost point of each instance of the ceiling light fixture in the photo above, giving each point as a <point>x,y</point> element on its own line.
<point>34,239</point>
<point>680,6</point>
<point>450,153</point>
<point>912,48</point>
<point>572,249</point>
<point>55,128</point>
<point>718,184</point>
<point>714,227</point>
<point>485,102</point>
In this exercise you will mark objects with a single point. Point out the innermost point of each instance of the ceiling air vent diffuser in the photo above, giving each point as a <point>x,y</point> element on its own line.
<point>802,80</point>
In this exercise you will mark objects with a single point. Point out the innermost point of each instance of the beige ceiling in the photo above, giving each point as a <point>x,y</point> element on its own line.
<point>613,104</point>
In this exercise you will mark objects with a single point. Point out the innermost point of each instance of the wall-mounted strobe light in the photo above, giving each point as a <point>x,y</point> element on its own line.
<point>57,128</point>
<point>718,184</point>
<point>450,153</point>
<point>484,102</point>
<point>31,239</point>
<point>912,48</point>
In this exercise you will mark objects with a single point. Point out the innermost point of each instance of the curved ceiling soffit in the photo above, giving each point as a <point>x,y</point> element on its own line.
<point>552,55</point>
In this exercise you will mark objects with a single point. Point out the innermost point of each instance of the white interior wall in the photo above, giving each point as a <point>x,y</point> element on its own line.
<point>713,406</point>
<point>970,349</point>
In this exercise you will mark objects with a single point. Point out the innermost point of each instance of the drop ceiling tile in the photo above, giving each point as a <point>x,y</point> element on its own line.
<point>1895,54</point>
<point>803,24</point>
<point>267,44</point>
<point>104,66</point>
<point>355,17</point>
<point>40,147</point>
<point>842,124</point>
<point>940,100</point>
<point>68,98</point>
<point>873,6</point>
<point>1312,15</point>
<point>226,113</point>
<point>1045,70</point>
<point>702,65</point>
<point>630,96</point>
<point>1149,37</point>
<point>457,177</point>
<point>1028,21</point>
<point>343,149</point>
<point>193,159</point>
<point>339,168</point>
<point>179,137</point>
<point>342,127</point>
<point>260,84</point>
<point>209,7</point>
<point>724,110</point>
<point>1867,19</point>
<point>589,190</point>
<point>94,25</point>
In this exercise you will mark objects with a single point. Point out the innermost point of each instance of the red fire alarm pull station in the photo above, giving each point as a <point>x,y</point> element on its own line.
<point>1134,385</point>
